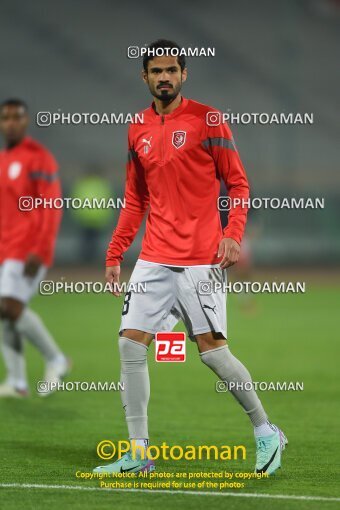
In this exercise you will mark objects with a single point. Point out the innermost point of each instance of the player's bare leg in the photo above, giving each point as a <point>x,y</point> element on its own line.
<point>138,336</point>
<point>21,322</point>
<point>270,440</point>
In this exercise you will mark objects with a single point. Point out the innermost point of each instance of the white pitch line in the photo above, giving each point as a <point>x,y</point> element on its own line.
<point>171,492</point>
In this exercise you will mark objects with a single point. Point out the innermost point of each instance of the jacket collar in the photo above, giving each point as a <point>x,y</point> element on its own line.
<point>177,111</point>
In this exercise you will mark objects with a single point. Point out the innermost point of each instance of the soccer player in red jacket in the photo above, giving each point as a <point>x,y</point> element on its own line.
<point>176,161</point>
<point>27,238</point>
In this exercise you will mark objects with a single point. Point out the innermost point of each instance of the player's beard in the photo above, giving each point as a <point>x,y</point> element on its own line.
<point>167,95</point>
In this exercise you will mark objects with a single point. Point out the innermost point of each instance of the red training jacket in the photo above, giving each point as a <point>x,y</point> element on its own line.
<point>175,164</point>
<point>28,170</point>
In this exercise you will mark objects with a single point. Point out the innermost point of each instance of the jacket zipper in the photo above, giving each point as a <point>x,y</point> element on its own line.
<point>162,140</point>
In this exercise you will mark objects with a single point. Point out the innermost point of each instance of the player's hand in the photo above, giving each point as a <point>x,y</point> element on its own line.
<point>112,276</point>
<point>32,265</point>
<point>229,250</point>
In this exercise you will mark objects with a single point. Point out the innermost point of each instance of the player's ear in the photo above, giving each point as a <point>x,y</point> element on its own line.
<point>25,121</point>
<point>144,76</point>
<point>184,75</point>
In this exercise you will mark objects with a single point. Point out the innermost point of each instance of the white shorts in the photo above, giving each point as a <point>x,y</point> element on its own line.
<point>173,294</point>
<point>14,284</point>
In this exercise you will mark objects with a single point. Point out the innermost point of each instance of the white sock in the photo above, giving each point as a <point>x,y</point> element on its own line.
<point>13,352</point>
<point>136,393</point>
<point>229,369</point>
<point>266,429</point>
<point>140,443</point>
<point>60,359</point>
<point>31,326</point>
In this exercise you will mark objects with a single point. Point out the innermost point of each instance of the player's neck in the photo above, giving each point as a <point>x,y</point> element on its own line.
<point>10,144</point>
<point>164,107</point>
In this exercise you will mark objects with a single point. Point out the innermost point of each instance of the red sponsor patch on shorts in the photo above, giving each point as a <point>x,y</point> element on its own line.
<point>170,346</point>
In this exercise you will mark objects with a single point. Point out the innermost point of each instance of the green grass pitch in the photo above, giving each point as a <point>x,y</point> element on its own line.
<point>289,338</point>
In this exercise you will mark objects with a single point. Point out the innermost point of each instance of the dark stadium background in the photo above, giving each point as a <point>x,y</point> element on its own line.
<point>72,56</point>
<point>270,57</point>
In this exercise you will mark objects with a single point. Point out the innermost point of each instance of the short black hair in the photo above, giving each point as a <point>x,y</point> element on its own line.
<point>14,102</point>
<point>162,43</point>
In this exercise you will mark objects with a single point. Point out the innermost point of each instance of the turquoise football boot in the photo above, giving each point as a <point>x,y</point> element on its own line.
<point>269,451</point>
<point>127,464</point>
